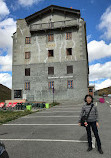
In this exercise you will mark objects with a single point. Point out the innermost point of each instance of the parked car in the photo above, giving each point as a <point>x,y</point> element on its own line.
<point>105,95</point>
<point>109,95</point>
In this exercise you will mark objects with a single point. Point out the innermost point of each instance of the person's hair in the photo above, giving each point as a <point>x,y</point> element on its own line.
<point>88,95</point>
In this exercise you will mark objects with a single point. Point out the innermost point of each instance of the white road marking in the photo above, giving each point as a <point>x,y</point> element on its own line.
<point>45,140</point>
<point>109,103</point>
<point>48,116</point>
<point>55,107</point>
<point>58,111</point>
<point>67,108</point>
<point>70,109</point>
<point>40,124</point>
<point>93,142</point>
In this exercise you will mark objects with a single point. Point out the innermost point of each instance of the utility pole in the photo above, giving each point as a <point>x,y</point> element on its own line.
<point>53,93</point>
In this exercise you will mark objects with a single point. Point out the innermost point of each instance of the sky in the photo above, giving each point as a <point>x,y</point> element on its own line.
<point>96,13</point>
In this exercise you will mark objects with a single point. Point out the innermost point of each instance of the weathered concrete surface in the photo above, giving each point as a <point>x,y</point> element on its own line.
<point>39,61</point>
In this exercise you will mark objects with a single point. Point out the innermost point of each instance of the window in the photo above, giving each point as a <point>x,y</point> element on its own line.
<point>27,55</point>
<point>27,85</point>
<point>51,84</point>
<point>90,90</point>
<point>69,69</point>
<point>69,51</point>
<point>68,35</point>
<point>17,93</point>
<point>27,40</point>
<point>70,84</point>
<point>27,72</point>
<point>50,53</point>
<point>50,38</point>
<point>50,70</point>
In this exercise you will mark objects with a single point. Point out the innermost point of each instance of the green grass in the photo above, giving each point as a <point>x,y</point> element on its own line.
<point>6,116</point>
<point>54,104</point>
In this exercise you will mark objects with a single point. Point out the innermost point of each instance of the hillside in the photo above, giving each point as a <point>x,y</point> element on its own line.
<point>104,91</point>
<point>5,93</point>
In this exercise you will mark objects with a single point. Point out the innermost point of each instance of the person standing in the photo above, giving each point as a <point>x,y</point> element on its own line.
<point>92,122</point>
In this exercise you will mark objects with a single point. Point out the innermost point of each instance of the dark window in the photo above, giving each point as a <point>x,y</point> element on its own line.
<point>51,84</point>
<point>27,55</point>
<point>70,84</point>
<point>69,51</point>
<point>69,69</point>
<point>90,90</point>
<point>68,35</point>
<point>27,72</point>
<point>50,38</point>
<point>17,93</point>
<point>50,53</point>
<point>27,85</point>
<point>27,40</point>
<point>51,70</point>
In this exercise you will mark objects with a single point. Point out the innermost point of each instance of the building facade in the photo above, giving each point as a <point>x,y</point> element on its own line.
<point>50,56</point>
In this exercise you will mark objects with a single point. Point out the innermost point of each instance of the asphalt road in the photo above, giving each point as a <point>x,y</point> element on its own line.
<point>54,133</point>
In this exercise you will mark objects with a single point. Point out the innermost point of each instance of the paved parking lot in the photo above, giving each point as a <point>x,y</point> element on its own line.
<point>54,133</point>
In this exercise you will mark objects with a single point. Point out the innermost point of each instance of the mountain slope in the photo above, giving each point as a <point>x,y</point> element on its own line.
<point>104,91</point>
<point>5,93</point>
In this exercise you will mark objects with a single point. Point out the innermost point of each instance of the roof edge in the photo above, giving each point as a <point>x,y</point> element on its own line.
<point>32,16</point>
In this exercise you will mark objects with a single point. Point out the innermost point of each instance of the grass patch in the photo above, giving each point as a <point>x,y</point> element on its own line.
<point>54,104</point>
<point>6,116</point>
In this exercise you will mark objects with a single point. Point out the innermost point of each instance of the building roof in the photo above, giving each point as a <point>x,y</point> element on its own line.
<point>91,86</point>
<point>52,8</point>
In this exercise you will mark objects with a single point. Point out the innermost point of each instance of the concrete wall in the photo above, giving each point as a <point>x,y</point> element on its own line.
<point>39,61</point>
<point>39,45</point>
<point>39,80</point>
<point>56,16</point>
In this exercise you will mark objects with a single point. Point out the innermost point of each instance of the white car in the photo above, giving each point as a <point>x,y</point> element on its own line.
<point>109,95</point>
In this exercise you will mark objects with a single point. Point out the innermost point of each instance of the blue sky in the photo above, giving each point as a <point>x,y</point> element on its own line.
<point>96,13</point>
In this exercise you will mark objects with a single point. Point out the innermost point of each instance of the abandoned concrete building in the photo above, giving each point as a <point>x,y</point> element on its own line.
<point>50,56</point>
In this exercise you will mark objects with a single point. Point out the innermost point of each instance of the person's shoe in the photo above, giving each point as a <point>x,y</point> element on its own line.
<point>89,149</point>
<point>100,151</point>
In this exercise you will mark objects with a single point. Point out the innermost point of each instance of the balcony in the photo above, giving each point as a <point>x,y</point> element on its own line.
<point>54,25</point>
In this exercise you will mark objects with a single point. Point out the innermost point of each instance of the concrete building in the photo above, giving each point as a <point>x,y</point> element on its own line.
<point>91,90</point>
<point>50,50</point>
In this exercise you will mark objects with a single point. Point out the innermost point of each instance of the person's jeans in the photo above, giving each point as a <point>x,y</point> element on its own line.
<point>95,131</point>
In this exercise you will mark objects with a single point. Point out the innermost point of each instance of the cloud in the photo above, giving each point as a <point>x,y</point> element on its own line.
<point>6,63</point>
<point>28,2</point>
<point>7,22</point>
<point>7,28</point>
<point>105,23</point>
<point>88,38</point>
<point>3,9</point>
<point>6,79</point>
<point>100,71</point>
<point>104,84</point>
<point>98,49</point>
